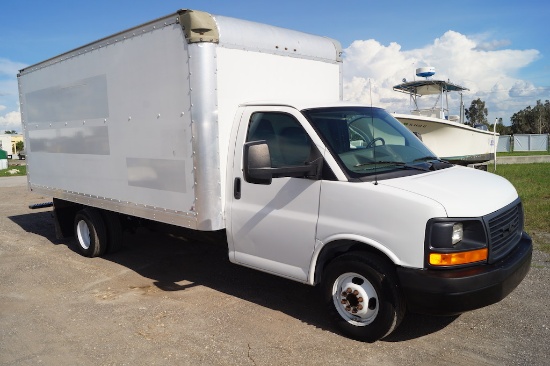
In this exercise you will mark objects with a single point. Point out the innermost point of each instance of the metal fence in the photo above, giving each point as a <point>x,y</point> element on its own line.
<point>508,143</point>
<point>504,143</point>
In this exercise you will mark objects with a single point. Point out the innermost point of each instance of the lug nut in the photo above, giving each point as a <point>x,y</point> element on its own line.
<point>348,308</point>
<point>344,301</point>
<point>359,307</point>
<point>356,292</point>
<point>360,299</point>
<point>348,290</point>
<point>354,311</point>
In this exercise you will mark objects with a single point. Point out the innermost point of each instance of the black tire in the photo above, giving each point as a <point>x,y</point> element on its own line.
<point>90,232</point>
<point>362,295</point>
<point>114,231</point>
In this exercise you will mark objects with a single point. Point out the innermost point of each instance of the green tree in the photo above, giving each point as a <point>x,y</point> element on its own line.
<point>12,132</point>
<point>19,145</point>
<point>542,116</point>
<point>532,119</point>
<point>477,113</point>
<point>501,128</point>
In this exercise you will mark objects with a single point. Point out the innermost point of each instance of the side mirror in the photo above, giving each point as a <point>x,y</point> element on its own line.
<point>257,162</point>
<point>258,170</point>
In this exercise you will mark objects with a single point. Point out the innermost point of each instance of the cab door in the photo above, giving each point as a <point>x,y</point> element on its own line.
<point>271,227</point>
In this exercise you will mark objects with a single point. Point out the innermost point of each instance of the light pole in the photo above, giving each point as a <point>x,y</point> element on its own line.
<point>495,142</point>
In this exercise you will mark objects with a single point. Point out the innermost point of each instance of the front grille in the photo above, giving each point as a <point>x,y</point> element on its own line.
<point>505,229</point>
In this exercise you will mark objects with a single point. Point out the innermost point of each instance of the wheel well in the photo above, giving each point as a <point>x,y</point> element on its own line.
<point>337,248</point>
<point>64,213</point>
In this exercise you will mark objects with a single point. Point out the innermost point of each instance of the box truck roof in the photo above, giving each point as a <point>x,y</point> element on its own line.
<point>229,32</point>
<point>237,32</point>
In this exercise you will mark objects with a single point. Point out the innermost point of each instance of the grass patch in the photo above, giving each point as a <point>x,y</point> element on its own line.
<point>522,153</point>
<point>13,171</point>
<point>532,181</point>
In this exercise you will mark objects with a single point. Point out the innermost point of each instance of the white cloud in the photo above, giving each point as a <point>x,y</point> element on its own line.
<point>523,88</point>
<point>10,121</point>
<point>8,91</point>
<point>492,45</point>
<point>371,68</point>
<point>10,68</point>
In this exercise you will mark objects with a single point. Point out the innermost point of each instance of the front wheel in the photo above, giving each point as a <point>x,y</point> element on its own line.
<point>362,294</point>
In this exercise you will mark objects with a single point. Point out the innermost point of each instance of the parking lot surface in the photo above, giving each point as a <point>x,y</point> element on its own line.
<point>164,300</point>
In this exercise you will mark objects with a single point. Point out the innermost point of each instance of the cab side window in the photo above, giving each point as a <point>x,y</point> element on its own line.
<point>287,140</point>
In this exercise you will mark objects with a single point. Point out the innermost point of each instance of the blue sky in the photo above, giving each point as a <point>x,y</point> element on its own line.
<point>500,50</point>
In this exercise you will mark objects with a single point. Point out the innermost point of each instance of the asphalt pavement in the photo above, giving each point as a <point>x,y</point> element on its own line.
<point>165,300</point>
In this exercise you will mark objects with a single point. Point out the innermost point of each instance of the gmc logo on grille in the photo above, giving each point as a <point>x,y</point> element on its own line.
<point>508,230</point>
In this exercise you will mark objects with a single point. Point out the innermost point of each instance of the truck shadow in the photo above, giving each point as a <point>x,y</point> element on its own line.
<point>168,261</point>
<point>39,223</point>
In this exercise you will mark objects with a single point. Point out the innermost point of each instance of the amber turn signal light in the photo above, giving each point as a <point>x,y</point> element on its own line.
<point>454,259</point>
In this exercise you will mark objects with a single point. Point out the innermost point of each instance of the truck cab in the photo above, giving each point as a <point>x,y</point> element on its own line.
<point>353,201</point>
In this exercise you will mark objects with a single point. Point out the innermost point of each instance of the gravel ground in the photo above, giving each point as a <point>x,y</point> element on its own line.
<point>164,300</point>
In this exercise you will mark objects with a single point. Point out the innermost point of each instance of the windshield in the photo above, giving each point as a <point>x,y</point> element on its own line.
<point>368,141</point>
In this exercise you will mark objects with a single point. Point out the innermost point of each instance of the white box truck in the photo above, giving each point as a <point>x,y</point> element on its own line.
<point>217,124</point>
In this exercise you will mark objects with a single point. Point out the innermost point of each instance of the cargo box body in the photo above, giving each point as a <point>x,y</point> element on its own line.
<point>139,122</point>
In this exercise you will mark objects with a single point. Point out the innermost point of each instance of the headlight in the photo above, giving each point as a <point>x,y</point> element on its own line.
<point>458,233</point>
<point>451,242</point>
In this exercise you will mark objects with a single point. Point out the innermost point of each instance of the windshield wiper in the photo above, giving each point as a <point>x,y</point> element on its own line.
<point>428,158</point>
<point>396,163</point>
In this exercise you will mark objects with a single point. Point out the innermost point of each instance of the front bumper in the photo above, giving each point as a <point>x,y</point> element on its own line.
<point>454,291</point>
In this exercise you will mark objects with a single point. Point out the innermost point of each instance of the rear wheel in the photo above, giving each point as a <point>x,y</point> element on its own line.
<point>90,232</point>
<point>362,294</point>
<point>114,231</point>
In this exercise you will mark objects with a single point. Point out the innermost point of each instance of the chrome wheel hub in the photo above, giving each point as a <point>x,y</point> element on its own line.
<point>355,299</point>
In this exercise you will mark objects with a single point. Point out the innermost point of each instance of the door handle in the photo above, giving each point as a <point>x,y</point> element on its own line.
<point>237,188</point>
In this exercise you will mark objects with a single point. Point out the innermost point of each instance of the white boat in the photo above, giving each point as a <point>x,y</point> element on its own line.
<point>446,135</point>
